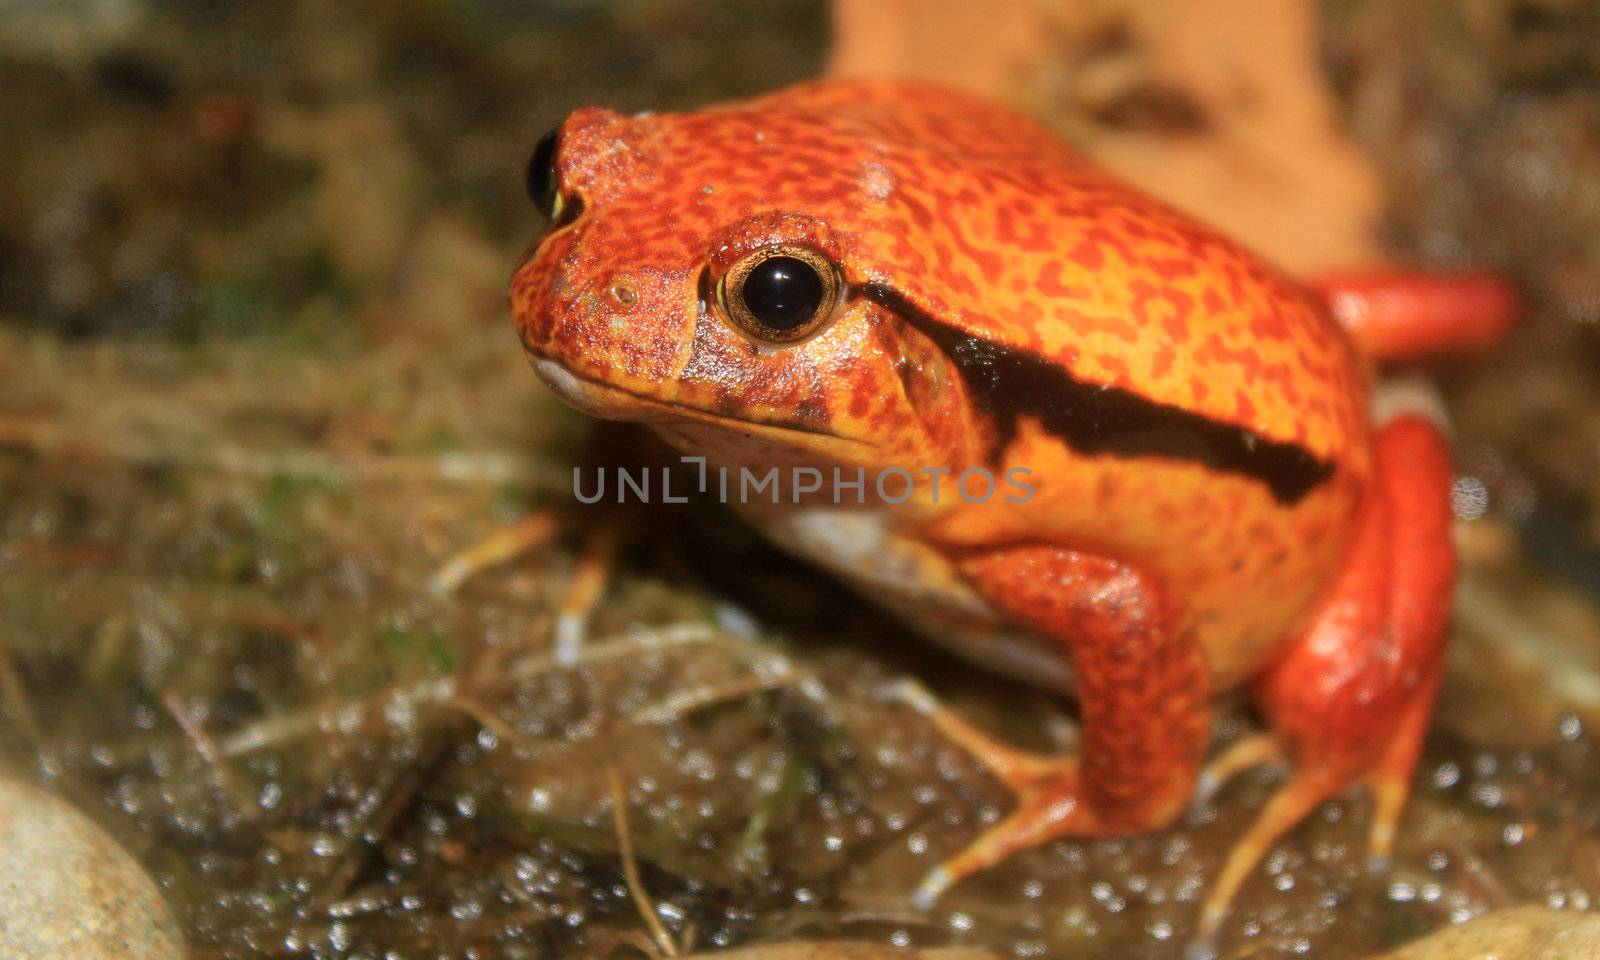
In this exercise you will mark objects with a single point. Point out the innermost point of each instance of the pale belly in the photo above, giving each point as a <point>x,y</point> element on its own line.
<point>918,584</point>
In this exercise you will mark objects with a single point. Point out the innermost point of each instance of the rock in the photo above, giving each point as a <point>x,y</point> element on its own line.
<point>845,950</point>
<point>68,890</point>
<point>1520,933</point>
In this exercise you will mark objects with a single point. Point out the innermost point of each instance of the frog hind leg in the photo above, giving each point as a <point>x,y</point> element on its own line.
<point>1145,694</point>
<point>1398,315</point>
<point>1351,697</point>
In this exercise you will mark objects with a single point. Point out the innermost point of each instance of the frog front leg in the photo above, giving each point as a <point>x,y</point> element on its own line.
<point>1144,688</point>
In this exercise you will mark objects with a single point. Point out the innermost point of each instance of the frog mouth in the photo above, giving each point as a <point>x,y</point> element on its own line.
<point>609,402</point>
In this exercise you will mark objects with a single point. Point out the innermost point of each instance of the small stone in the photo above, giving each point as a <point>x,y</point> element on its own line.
<point>68,890</point>
<point>1520,933</point>
<point>843,950</point>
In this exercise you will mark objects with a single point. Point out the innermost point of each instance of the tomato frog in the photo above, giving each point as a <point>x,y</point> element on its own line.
<point>876,274</point>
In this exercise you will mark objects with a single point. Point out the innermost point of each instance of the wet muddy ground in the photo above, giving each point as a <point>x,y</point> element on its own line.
<point>257,384</point>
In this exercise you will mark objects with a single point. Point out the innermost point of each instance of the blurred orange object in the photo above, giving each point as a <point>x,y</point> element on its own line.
<point>1218,106</point>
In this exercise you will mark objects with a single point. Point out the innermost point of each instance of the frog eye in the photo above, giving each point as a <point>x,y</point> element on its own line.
<point>780,294</point>
<point>542,183</point>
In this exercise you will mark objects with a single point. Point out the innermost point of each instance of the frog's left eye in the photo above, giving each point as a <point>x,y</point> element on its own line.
<point>780,294</point>
<point>543,186</point>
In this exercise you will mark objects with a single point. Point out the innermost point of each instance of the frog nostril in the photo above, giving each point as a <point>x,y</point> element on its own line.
<point>623,292</point>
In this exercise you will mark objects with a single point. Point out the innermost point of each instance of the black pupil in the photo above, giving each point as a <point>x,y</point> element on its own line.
<point>783,292</point>
<point>542,174</point>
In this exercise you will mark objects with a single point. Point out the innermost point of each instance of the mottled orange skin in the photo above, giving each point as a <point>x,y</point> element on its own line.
<point>1161,579</point>
<point>981,218</point>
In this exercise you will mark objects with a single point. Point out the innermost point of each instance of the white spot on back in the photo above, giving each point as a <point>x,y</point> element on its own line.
<point>877,181</point>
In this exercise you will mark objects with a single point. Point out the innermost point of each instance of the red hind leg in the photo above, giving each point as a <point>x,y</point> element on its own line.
<point>1405,315</point>
<point>1350,698</point>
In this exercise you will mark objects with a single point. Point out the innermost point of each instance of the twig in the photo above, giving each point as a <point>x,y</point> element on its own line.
<point>1527,649</point>
<point>207,749</point>
<point>484,718</point>
<point>360,838</point>
<point>15,695</point>
<point>436,690</point>
<point>683,702</point>
<point>630,866</point>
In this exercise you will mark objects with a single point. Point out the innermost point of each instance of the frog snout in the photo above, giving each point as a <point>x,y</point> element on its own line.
<point>623,327</point>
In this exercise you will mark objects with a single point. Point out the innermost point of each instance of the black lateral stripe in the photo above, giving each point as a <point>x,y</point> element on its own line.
<point>1095,419</point>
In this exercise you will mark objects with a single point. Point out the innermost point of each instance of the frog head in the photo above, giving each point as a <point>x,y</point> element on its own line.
<point>708,274</point>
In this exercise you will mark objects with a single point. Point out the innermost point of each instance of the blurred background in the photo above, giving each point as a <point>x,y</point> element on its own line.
<point>258,384</point>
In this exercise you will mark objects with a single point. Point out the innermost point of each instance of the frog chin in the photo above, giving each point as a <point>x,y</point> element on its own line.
<point>602,401</point>
<point>588,396</point>
<point>688,427</point>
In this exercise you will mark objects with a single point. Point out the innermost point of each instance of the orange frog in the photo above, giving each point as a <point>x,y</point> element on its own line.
<point>880,275</point>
